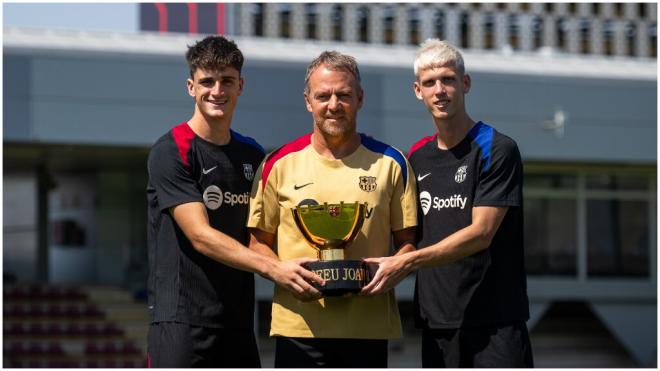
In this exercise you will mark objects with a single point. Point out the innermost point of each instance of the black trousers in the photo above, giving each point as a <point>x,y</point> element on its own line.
<point>179,345</point>
<point>481,347</point>
<point>332,353</point>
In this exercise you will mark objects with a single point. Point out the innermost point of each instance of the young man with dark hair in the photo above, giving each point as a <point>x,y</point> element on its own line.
<point>201,283</point>
<point>333,163</point>
<point>471,291</point>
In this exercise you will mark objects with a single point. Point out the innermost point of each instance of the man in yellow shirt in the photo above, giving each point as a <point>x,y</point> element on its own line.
<point>332,164</point>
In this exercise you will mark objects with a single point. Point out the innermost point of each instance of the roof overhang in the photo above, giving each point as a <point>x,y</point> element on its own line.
<point>546,62</point>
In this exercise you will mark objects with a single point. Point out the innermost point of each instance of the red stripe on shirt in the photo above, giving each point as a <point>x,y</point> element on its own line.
<point>420,143</point>
<point>295,146</point>
<point>183,136</point>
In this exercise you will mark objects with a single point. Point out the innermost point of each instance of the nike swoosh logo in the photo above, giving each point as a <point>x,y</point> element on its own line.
<point>297,187</point>
<point>209,170</point>
<point>420,177</point>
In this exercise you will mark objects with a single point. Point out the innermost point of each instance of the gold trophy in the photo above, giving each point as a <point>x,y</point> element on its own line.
<point>330,228</point>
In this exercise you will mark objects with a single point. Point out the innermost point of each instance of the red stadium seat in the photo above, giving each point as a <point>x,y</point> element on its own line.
<point>36,311</point>
<point>92,310</point>
<point>129,347</point>
<point>17,348</point>
<point>54,348</point>
<point>35,348</point>
<point>92,348</point>
<point>36,329</point>
<point>110,348</point>
<point>14,329</point>
<point>73,329</point>
<point>111,329</point>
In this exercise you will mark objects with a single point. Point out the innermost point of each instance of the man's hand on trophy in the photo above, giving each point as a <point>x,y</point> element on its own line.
<point>391,270</point>
<point>294,277</point>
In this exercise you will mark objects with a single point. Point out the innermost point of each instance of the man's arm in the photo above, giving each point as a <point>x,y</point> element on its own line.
<point>465,242</point>
<point>193,221</point>
<point>290,275</point>
<point>404,243</point>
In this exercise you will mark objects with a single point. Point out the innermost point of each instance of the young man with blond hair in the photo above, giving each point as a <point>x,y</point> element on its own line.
<point>471,291</point>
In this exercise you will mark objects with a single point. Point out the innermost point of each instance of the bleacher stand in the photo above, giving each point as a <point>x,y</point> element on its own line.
<point>51,326</point>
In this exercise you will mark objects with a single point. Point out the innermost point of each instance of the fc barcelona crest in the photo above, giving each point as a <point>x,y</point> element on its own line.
<point>368,183</point>
<point>333,210</point>
<point>461,173</point>
<point>248,171</point>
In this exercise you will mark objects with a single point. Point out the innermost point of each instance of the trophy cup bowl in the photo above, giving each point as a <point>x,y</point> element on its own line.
<point>330,228</point>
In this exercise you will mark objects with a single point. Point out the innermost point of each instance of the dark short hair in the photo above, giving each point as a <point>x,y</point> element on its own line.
<point>334,61</point>
<point>213,53</point>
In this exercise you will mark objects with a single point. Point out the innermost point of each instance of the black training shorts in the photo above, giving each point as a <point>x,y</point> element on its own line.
<point>179,345</point>
<point>495,346</point>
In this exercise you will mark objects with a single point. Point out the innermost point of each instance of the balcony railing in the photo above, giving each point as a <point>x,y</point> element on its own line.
<point>609,29</point>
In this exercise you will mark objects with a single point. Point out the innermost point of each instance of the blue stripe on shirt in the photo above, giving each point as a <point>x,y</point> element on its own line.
<point>483,134</point>
<point>247,140</point>
<point>380,147</point>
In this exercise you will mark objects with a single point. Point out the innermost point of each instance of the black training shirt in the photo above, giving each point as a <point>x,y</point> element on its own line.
<point>489,287</point>
<point>185,285</point>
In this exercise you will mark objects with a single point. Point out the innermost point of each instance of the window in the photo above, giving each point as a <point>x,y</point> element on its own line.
<point>285,20</point>
<point>546,251</point>
<point>617,235</point>
<point>311,15</point>
<point>337,22</point>
<point>414,21</point>
<point>618,225</point>
<point>590,223</point>
<point>363,23</point>
<point>550,205</point>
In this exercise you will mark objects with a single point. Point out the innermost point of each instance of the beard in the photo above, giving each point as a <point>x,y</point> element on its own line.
<point>336,128</point>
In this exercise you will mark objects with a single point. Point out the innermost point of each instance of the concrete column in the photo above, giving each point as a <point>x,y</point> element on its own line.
<point>350,25</point>
<point>272,20</point>
<point>642,44</point>
<point>573,35</point>
<point>596,37</point>
<point>452,27</point>
<point>607,10</point>
<point>549,32</point>
<point>501,30</point>
<point>324,23</point>
<point>619,38</point>
<point>427,27</point>
<point>375,24</point>
<point>652,11</point>
<point>525,34</point>
<point>246,19</point>
<point>630,10</point>
<point>476,30</point>
<point>561,9</point>
<point>298,21</point>
<point>401,24</point>
<point>585,10</point>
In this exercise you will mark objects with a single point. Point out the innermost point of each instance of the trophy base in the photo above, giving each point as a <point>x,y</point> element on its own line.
<point>341,276</point>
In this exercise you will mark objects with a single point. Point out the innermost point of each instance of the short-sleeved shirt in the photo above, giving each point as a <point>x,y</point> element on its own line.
<point>296,174</point>
<point>185,285</point>
<point>484,169</point>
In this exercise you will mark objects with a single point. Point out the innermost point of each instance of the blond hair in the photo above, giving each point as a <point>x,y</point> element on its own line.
<point>434,53</point>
